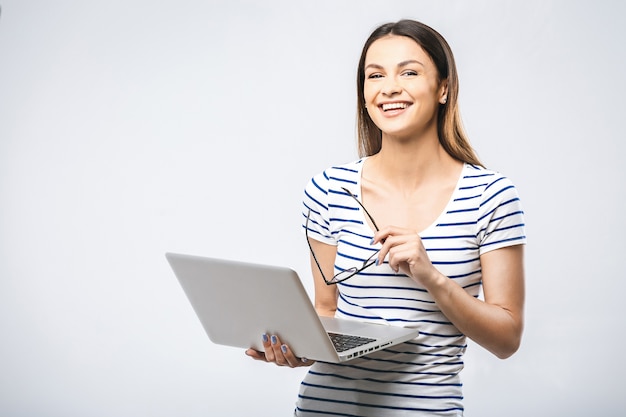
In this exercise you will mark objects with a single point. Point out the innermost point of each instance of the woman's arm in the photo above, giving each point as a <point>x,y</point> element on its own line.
<point>325,295</point>
<point>495,323</point>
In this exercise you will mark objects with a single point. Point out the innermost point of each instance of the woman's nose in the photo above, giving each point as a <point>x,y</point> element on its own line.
<point>391,87</point>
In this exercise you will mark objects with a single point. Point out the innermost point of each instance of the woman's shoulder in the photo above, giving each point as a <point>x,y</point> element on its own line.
<point>325,187</point>
<point>350,167</point>
<point>346,172</point>
<point>489,187</point>
<point>483,176</point>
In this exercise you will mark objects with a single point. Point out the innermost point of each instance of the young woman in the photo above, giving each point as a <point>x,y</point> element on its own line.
<point>436,226</point>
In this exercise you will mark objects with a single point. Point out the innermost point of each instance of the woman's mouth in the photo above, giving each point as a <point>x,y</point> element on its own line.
<point>394,106</point>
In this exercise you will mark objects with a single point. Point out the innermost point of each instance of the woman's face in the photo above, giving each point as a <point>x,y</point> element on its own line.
<point>402,89</point>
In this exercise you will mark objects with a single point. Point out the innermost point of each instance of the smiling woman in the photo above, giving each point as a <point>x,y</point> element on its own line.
<point>445,225</point>
<point>435,52</point>
<point>402,95</point>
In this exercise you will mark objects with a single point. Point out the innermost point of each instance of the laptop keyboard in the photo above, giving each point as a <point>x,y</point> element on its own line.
<point>345,342</point>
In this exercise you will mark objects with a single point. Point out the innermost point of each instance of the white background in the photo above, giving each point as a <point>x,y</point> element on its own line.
<point>132,128</point>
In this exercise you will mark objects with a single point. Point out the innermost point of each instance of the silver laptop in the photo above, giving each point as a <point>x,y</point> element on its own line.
<point>238,302</point>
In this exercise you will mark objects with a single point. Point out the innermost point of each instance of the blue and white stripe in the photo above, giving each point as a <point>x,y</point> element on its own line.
<point>420,376</point>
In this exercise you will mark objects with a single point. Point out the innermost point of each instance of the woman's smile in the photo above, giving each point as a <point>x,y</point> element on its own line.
<point>393,108</point>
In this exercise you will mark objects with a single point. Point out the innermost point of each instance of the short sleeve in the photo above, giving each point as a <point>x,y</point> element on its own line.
<point>501,218</point>
<point>315,208</point>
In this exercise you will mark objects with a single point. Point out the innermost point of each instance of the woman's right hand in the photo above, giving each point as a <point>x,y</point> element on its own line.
<point>278,353</point>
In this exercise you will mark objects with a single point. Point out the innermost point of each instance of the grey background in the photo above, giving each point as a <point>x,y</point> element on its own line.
<point>132,128</point>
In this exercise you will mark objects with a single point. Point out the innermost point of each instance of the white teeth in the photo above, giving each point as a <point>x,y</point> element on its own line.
<point>394,106</point>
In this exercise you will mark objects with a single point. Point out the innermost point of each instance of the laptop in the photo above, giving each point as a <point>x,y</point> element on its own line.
<point>237,302</point>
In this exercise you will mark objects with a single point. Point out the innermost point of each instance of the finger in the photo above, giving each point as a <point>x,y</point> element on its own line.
<point>408,256</point>
<point>389,244</point>
<point>383,234</point>
<point>278,355</point>
<point>256,355</point>
<point>399,250</point>
<point>392,259</point>
<point>292,360</point>
<point>399,258</point>
<point>267,346</point>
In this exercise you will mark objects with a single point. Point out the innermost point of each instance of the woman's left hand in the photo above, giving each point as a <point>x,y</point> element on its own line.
<point>278,353</point>
<point>406,253</point>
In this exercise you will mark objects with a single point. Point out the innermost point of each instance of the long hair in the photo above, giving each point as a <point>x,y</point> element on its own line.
<point>450,130</point>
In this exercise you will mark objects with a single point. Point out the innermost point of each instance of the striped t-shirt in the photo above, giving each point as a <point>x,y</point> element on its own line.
<point>422,375</point>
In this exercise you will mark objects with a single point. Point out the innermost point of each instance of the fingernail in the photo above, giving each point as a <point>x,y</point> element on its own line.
<point>304,360</point>
<point>274,340</point>
<point>372,241</point>
<point>284,348</point>
<point>265,339</point>
<point>377,261</point>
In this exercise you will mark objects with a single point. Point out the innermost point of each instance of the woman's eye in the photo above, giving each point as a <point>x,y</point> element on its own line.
<point>375,75</point>
<point>410,73</point>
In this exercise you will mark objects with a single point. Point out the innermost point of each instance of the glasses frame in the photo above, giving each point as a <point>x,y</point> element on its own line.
<point>350,271</point>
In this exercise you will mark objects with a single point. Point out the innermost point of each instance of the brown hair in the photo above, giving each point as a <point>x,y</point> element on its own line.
<point>449,125</point>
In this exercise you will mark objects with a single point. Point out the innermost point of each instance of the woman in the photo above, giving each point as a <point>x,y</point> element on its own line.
<point>437,225</point>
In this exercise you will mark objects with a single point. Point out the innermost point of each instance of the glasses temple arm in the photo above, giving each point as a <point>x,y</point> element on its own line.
<point>363,207</point>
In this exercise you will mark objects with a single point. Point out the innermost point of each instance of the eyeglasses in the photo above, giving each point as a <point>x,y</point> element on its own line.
<point>350,272</point>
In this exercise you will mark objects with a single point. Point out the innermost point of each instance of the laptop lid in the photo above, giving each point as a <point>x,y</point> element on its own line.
<point>237,302</point>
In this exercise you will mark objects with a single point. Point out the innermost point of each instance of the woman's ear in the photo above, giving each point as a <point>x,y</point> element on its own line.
<point>443,92</point>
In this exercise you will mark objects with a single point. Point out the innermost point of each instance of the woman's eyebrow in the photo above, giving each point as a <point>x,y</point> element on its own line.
<point>400,65</point>
<point>409,62</point>
<point>375,66</point>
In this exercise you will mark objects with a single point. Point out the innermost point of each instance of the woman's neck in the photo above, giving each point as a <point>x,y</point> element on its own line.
<point>409,164</point>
